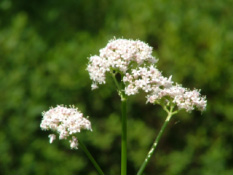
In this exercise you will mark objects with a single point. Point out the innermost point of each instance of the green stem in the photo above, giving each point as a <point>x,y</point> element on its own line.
<point>148,157</point>
<point>124,137</point>
<point>115,81</point>
<point>120,89</point>
<point>91,158</point>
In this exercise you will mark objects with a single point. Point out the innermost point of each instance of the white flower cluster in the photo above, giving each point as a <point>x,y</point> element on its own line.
<point>134,61</point>
<point>119,55</point>
<point>180,96</point>
<point>146,79</point>
<point>65,121</point>
<point>151,81</point>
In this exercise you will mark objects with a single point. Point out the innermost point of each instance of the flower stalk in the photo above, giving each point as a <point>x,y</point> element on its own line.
<point>124,137</point>
<point>91,158</point>
<point>123,124</point>
<point>150,153</point>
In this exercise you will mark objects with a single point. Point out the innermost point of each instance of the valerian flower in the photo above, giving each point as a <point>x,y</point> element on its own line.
<point>66,122</point>
<point>134,61</point>
<point>160,88</point>
<point>119,55</point>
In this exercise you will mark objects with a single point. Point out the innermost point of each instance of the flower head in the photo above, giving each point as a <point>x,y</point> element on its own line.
<point>119,55</point>
<point>134,61</point>
<point>147,79</point>
<point>179,96</point>
<point>160,88</point>
<point>66,122</point>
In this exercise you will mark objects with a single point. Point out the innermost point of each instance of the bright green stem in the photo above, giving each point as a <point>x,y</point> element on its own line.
<point>91,158</point>
<point>148,157</point>
<point>124,137</point>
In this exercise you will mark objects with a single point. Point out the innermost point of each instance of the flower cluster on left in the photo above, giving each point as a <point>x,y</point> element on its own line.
<point>66,121</point>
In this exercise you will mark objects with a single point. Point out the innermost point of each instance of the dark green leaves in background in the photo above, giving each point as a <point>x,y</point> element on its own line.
<point>44,46</point>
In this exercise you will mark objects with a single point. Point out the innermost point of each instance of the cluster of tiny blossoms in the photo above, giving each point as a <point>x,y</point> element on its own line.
<point>179,96</point>
<point>146,79</point>
<point>158,87</point>
<point>66,122</point>
<point>120,54</point>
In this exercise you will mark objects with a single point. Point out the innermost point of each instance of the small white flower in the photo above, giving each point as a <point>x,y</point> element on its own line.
<point>74,143</point>
<point>66,122</point>
<point>52,137</point>
<point>94,86</point>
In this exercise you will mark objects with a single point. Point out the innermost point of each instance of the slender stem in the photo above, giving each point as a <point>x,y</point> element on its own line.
<point>91,158</point>
<point>120,89</point>
<point>170,114</point>
<point>124,137</point>
<point>115,81</point>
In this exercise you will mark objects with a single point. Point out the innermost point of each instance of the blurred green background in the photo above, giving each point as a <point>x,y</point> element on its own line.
<point>44,46</point>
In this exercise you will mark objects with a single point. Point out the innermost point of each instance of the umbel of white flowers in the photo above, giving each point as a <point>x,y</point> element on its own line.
<point>66,122</point>
<point>134,61</point>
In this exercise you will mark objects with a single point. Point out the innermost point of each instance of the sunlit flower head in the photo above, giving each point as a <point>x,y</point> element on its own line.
<point>119,55</point>
<point>179,96</point>
<point>66,122</point>
<point>134,61</point>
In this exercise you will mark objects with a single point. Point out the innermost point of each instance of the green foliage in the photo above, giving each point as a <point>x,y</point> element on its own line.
<point>44,48</point>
